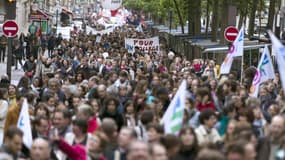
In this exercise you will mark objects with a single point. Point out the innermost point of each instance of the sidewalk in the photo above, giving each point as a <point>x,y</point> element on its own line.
<point>16,74</point>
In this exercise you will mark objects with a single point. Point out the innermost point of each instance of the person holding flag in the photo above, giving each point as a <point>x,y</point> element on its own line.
<point>264,72</point>
<point>24,124</point>
<point>236,50</point>
<point>173,117</point>
<point>13,113</point>
<point>280,56</point>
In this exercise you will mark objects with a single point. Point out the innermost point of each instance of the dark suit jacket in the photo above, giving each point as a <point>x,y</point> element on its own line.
<point>111,156</point>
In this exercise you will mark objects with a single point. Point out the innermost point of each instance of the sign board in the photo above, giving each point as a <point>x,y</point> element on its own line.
<point>230,33</point>
<point>145,45</point>
<point>10,28</point>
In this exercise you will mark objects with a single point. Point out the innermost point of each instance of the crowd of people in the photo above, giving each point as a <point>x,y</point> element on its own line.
<point>91,99</point>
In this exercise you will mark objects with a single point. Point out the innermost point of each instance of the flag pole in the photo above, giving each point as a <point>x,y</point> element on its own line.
<point>241,71</point>
<point>242,60</point>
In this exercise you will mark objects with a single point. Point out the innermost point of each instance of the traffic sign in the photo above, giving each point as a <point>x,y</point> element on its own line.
<point>230,33</point>
<point>10,28</point>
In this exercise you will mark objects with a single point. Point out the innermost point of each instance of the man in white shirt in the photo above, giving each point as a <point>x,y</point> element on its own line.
<point>206,133</point>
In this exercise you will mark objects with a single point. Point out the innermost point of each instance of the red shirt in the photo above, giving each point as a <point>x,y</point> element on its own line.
<point>92,125</point>
<point>197,67</point>
<point>202,107</point>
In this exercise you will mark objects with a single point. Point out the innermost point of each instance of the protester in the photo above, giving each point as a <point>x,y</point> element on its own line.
<point>206,133</point>
<point>158,152</point>
<point>11,149</point>
<point>189,144</point>
<point>138,150</point>
<point>93,97</point>
<point>270,144</point>
<point>40,150</point>
<point>125,138</point>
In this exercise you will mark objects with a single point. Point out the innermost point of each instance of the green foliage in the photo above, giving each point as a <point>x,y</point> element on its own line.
<point>134,4</point>
<point>159,8</point>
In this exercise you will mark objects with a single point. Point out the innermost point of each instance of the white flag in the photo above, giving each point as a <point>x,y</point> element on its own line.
<point>25,125</point>
<point>264,72</point>
<point>173,117</point>
<point>280,56</point>
<point>236,50</point>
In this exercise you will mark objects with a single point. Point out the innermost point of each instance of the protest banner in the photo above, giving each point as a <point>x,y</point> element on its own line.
<point>101,32</point>
<point>145,45</point>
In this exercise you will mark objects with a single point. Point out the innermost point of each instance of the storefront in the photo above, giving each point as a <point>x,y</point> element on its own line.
<point>40,19</point>
<point>65,16</point>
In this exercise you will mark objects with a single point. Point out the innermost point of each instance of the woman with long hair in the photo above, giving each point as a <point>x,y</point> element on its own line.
<point>130,114</point>
<point>228,137</point>
<point>204,99</point>
<point>189,144</point>
<point>12,91</point>
<point>93,150</point>
<point>24,85</point>
<point>66,68</point>
<point>96,146</point>
<point>36,86</point>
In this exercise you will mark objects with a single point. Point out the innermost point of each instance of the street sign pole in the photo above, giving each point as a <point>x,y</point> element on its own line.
<point>9,58</point>
<point>231,33</point>
<point>10,30</point>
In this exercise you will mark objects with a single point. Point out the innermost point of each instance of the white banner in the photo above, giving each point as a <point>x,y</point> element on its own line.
<point>236,50</point>
<point>145,45</point>
<point>173,117</point>
<point>264,72</point>
<point>280,56</point>
<point>94,32</point>
<point>24,124</point>
<point>238,43</point>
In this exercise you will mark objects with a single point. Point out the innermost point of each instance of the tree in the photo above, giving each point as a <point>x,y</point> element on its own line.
<point>215,20</point>
<point>243,8</point>
<point>271,14</point>
<point>224,21</point>
<point>194,11</point>
<point>209,3</point>
<point>253,10</point>
<point>179,15</point>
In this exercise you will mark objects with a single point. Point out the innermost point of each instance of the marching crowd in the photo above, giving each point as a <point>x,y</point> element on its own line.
<point>90,99</point>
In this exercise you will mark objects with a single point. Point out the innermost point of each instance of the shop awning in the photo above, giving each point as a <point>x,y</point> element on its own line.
<point>39,15</point>
<point>66,11</point>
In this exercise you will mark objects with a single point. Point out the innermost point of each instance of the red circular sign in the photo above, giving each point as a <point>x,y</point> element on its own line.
<point>231,33</point>
<point>10,28</point>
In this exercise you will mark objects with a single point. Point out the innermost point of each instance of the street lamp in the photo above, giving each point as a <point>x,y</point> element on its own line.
<point>11,1</point>
<point>57,10</point>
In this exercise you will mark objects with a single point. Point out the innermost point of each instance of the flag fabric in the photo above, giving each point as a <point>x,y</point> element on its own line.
<point>264,72</point>
<point>25,125</point>
<point>236,50</point>
<point>280,56</point>
<point>173,117</point>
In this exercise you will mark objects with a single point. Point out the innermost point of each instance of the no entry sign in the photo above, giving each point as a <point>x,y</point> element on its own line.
<point>10,28</point>
<point>231,33</point>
